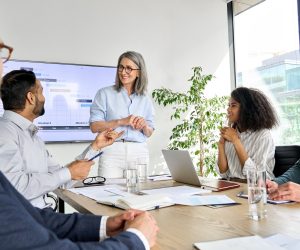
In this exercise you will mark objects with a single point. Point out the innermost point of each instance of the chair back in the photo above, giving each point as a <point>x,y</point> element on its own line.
<point>52,200</point>
<point>285,157</point>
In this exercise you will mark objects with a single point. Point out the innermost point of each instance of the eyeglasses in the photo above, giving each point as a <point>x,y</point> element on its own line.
<point>5,52</point>
<point>95,180</point>
<point>127,69</point>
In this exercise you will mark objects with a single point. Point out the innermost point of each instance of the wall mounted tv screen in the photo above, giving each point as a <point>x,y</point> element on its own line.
<point>69,90</point>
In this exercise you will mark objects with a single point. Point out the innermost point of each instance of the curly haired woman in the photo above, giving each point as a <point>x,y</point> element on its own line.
<point>247,142</point>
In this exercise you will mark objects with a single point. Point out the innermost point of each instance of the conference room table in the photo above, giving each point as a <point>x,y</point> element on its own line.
<point>181,226</point>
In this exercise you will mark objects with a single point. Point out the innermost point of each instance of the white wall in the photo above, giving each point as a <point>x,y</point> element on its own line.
<point>172,35</point>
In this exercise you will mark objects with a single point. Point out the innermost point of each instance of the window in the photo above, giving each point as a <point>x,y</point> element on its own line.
<point>267,57</point>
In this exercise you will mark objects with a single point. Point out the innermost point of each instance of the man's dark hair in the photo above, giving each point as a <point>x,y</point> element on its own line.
<point>256,112</point>
<point>14,87</point>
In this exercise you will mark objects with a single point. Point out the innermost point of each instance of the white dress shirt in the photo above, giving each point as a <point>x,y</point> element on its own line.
<point>25,161</point>
<point>260,148</point>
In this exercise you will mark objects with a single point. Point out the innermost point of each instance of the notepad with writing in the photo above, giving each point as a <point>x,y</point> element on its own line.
<point>141,202</point>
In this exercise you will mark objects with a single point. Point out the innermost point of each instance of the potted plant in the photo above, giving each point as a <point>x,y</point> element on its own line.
<point>200,119</point>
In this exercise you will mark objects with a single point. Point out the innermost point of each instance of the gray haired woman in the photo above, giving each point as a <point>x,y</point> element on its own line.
<point>124,107</point>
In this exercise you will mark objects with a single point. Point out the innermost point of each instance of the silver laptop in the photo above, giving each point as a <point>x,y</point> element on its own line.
<point>182,170</point>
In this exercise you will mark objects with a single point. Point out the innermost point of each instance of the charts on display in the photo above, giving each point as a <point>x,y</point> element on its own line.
<point>69,90</point>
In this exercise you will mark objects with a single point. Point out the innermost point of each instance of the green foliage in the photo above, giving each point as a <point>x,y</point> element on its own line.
<point>200,118</point>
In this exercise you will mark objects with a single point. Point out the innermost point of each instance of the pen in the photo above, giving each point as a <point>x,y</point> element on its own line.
<point>112,192</point>
<point>95,156</point>
<point>242,195</point>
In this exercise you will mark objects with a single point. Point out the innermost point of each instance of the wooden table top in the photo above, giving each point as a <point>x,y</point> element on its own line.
<point>181,226</point>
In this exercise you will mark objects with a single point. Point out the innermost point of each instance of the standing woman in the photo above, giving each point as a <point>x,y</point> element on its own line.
<point>124,107</point>
<point>248,142</point>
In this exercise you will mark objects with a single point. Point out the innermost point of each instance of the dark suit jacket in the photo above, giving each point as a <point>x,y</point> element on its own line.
<point>24,227</point>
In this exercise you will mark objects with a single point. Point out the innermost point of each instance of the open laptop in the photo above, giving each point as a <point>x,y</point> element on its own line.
<point>182,170</point>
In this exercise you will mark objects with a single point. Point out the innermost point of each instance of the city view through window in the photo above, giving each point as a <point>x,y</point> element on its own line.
<point>267,58</point>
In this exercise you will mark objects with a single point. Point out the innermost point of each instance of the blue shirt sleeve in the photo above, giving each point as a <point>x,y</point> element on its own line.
<point>150,114</point>
<point>293,175</point>
<point>98,108</point>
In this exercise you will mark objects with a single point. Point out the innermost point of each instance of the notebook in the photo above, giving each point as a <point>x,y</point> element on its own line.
<point>182,170</point>
<point>141,202</point>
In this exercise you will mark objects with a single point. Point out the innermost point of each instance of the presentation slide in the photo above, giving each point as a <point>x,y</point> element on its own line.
<point>69,90</point>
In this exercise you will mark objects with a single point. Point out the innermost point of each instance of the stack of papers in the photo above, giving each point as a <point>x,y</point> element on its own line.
<point>196,200</point>
<point>275,242</point>
<point>115,195</point>
<point>191,196</point>
<point>98,192</point>
<point>177,190</point>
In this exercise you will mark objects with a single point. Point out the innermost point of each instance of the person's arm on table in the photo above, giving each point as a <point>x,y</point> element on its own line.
<point>20,230</point>
<point>36,228</point>
<point>26,227</point>
<point>140,223</point>
<point>272,186</point>
<point>292,174</point>
<point>286,191</point>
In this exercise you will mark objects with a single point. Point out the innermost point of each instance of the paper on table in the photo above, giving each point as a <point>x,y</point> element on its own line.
<point>224,205</point>
<point>284,241</point>
<point>98,192</point>
<point>239,243</point>
<point>115,181</point>
<point>178,190</point>
<point>196,200</point>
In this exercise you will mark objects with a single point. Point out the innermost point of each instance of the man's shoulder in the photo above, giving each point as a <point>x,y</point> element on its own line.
<point>7,126</point>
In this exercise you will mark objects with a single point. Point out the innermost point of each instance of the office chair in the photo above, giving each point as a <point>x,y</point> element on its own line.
<point>285,157</point>
<point>53,200</point>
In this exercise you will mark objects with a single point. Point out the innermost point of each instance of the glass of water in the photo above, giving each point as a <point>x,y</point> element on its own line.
<point>257,194</point>
<point>131,175</point>
<point>142,171</point>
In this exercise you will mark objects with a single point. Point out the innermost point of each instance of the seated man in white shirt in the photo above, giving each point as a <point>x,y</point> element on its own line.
<point>25,161</point>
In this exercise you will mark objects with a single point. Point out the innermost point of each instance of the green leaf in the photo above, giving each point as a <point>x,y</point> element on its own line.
<point>200,118</point>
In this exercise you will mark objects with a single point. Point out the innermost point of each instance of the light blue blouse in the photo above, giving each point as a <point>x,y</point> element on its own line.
<point>109,104</point>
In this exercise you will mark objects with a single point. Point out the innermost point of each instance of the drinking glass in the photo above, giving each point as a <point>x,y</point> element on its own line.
<point>142,171</point>
<point>257,194</point>
<point>131,175</point>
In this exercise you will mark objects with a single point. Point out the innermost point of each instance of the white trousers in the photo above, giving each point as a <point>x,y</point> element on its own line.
<point>118,156</point>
